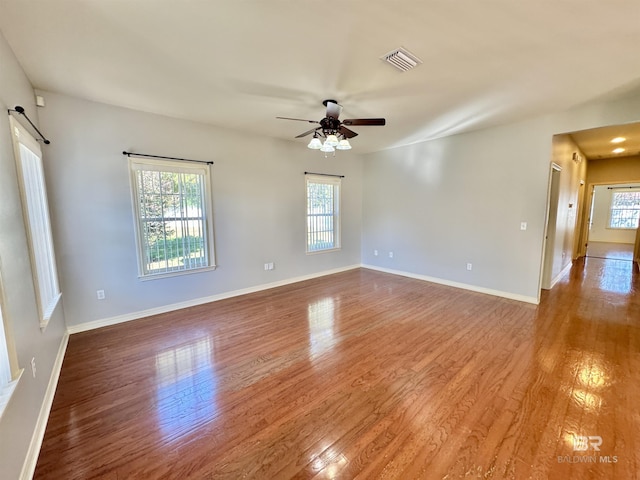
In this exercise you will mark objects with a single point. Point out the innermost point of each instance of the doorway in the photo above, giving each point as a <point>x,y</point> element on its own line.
<point>613,221</point>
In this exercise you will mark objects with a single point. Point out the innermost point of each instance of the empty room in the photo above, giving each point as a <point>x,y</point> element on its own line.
<point>311,240</point>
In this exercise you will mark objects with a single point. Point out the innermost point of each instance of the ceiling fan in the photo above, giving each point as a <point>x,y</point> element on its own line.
<point>333,129</point>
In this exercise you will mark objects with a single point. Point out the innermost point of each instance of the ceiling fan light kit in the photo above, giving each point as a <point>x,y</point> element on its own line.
<point>333,130</point>
<point>315,143</point>
<point>343,145</point>
<point>332,140</point>
<point>327,148</point>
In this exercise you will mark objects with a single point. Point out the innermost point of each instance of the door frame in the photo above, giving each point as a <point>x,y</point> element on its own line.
<point>546,270</point>
<point>586,218</point>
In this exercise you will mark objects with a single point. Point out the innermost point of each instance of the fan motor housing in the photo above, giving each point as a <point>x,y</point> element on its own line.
<point>330,123</point>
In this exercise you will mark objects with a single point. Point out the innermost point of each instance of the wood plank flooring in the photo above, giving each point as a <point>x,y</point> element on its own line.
<point>361,375</point>
<point>618,251</point>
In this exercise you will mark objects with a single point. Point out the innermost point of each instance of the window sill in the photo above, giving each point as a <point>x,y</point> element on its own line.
<point>7,392</point>
<point>157,276</point>
<point>328,250</point>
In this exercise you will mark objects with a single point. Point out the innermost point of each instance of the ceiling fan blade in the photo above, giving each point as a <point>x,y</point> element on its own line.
<point>298,119</point>
<point>364,121</point>
<point>333,109</point>
<point>346,132</point>
<point>307,132</point>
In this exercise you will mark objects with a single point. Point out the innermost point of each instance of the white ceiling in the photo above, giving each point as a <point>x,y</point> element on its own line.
<point>242,63</point>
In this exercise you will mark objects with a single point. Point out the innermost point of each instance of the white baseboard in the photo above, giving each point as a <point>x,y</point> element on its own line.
<point>558,277</point>
<point>29,466</point>
<point>464,286</point>
<point>105,322</point>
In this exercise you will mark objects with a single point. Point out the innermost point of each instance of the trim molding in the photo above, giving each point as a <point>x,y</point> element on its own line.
<point>29,466</point>
<point>561,274</point>
<point>127,317</point>
<point>464,286</point>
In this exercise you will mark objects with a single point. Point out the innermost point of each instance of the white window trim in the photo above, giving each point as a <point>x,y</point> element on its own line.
<point>609,215</point>
<point>12,374</point>
<point>337,224</point>
<point>208,213</point>
<point>43,263</point>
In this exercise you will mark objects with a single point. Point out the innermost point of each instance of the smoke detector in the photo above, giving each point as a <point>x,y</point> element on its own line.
<point>401,59</point>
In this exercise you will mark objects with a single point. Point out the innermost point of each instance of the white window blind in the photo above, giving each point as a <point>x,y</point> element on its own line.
<point>36,213</point>
<point>173,217</point>
<point>323,213</point>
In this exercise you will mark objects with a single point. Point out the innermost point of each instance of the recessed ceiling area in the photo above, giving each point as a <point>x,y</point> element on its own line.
<point>241,64</point>
<point>598,143</point>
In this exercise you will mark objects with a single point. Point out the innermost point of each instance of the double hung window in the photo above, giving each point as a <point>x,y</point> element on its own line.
<point>172,206</point>
<point>36,213</point>
<point>323,213</point>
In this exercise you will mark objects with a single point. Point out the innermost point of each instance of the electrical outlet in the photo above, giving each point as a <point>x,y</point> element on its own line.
<point>266,266</point>
<point>33,367</point>
<point>523,225</point>
<point>390,254</point>
<point>375,253</point>
<point>100,294</point>
<point>469,266</point>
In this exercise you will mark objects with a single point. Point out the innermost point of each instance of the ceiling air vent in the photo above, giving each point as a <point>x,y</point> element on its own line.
<point>402,59</point>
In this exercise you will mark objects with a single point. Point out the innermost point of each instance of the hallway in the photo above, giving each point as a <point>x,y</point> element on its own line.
<point>598,374</point>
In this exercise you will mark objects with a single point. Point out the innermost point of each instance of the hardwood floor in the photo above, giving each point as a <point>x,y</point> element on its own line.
<point>361,375</point>
<point>618,251</point>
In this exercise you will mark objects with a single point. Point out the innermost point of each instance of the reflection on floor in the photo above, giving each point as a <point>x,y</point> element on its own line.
<point>614,275</point>
<point>617,251</point>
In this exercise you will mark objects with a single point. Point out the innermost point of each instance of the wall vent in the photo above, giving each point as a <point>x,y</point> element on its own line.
<point>401,59</point>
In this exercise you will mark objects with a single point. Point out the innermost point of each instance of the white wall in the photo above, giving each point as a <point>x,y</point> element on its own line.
<point>599,231</point>
<point>258,197</point>
<point>441,204</point>
<point>19,421</point>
